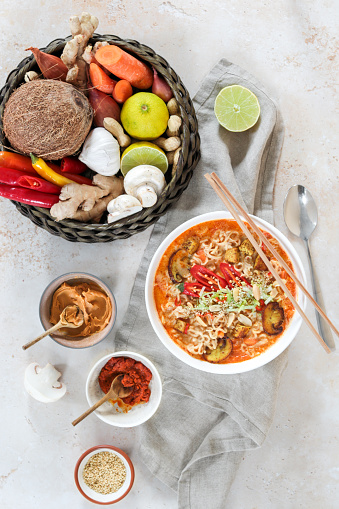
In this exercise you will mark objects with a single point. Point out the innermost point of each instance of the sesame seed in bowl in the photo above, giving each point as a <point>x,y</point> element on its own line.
<point>104,474</point>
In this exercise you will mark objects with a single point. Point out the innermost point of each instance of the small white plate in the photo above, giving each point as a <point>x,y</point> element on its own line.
<point>92,495</point>
<point>113,414</point>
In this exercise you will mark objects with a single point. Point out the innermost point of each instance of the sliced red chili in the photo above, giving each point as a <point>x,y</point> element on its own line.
<point>261,306</point>
<point>194,289</point>
<point>233,274</point>
<point>207,277</point>
<point>177,301</point>
<point>186,328</point>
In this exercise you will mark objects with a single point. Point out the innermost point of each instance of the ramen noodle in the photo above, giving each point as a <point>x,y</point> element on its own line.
<point>216,298</point>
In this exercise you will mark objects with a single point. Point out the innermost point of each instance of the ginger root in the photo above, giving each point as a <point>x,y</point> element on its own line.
<point>89,52</point>
<point>72,56</point>
<point>87,203</point>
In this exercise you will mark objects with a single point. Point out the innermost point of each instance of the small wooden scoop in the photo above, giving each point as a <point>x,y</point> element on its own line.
<point>71,309</point>
<point>116,390</point>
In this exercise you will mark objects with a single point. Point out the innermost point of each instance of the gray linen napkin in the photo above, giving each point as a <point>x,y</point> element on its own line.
<point>196,439</point>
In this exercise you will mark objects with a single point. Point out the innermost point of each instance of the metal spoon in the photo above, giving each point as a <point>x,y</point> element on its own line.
<point>301,217</point>
<point>116,390</point>
<point>75,310</point>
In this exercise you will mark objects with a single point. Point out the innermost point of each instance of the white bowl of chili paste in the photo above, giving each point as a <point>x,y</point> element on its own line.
<point>138,371</point>
<point>213,303</point>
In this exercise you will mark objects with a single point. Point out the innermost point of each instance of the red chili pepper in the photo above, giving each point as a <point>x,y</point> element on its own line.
<point>207,277</point>
<point>194,289</point>
<point>72,165</point>
<point>28,196</point>
<point>262,305</point>
<point>79,179</point>
<point>228,269</point>
<point>23,163</point>
<point>38,184</point>
<point>230,278</point>
<point>186,328</point>
<point>177,301</point>
<point>27,180</point>
<point>16,162</point>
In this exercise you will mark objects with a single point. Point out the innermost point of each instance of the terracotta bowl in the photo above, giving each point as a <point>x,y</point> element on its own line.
<point>92,495</point>
<point>45,308</point>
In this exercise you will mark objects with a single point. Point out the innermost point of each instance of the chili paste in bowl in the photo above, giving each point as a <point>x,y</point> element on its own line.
<point>138,372</point>
<point>136,375</point>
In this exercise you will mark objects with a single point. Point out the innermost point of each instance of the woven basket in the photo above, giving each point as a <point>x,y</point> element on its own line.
<point>75,231</point>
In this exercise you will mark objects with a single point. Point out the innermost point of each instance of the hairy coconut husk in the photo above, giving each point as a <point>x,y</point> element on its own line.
<point>47,117</point>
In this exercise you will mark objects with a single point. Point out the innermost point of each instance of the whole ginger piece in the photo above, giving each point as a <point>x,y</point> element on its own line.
<point>87,203</point>
<point>82,30</point>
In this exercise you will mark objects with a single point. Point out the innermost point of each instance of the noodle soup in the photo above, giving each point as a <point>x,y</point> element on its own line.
<point>215,297</point>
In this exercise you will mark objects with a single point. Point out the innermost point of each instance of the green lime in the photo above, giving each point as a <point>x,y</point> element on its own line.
<point>236,108</point>
<point>143,152</point>
<point>144,116</point>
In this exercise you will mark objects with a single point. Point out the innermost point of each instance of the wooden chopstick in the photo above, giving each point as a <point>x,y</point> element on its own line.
<point>273,251</point>
<point>224,194</point>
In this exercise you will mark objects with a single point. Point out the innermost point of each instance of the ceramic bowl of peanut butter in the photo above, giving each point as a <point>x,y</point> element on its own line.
<point>94,299</point>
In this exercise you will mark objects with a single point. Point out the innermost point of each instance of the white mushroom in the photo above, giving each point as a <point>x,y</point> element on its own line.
<point>101,152</point>
<point>42,383</point>
<point>122,206</point>
<point>145,183</point>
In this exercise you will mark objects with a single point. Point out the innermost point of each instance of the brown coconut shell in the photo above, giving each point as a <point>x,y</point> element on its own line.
<point>49,118</point>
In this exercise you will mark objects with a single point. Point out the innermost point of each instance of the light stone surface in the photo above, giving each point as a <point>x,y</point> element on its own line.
<point>292,48</point>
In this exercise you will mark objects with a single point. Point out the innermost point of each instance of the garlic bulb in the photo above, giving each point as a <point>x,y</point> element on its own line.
<point>101,152</point>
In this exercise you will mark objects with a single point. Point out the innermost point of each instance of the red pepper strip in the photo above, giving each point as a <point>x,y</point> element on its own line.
<point>194,289</point>
<point>28,196</point>
<point>27,180</point>
<point>231,281</point>
<point>177,301</point>
<point>72,165</point>
<point>207,277</point>
<point>232,272</point>
<point>262,305</point>
<point>186,328</point>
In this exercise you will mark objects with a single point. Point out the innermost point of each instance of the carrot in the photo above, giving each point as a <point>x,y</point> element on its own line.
<point>250,341</point>
<point>202,255</point>
<point>122,91</point>
<point>100,80</point>
<point>125,66</point>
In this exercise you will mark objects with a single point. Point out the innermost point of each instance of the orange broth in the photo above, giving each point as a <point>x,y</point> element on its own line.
<point>164,290</point>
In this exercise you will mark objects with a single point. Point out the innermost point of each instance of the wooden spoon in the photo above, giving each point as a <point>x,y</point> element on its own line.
<point>74,309</point>
<point>116,390</point>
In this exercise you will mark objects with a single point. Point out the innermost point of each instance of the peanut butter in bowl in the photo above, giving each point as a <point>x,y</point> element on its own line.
<point>94,299</point>
<point>93,302</point>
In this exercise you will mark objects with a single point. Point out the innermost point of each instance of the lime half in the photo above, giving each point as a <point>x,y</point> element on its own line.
<point>143,152</point>
<point>236,108</point>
